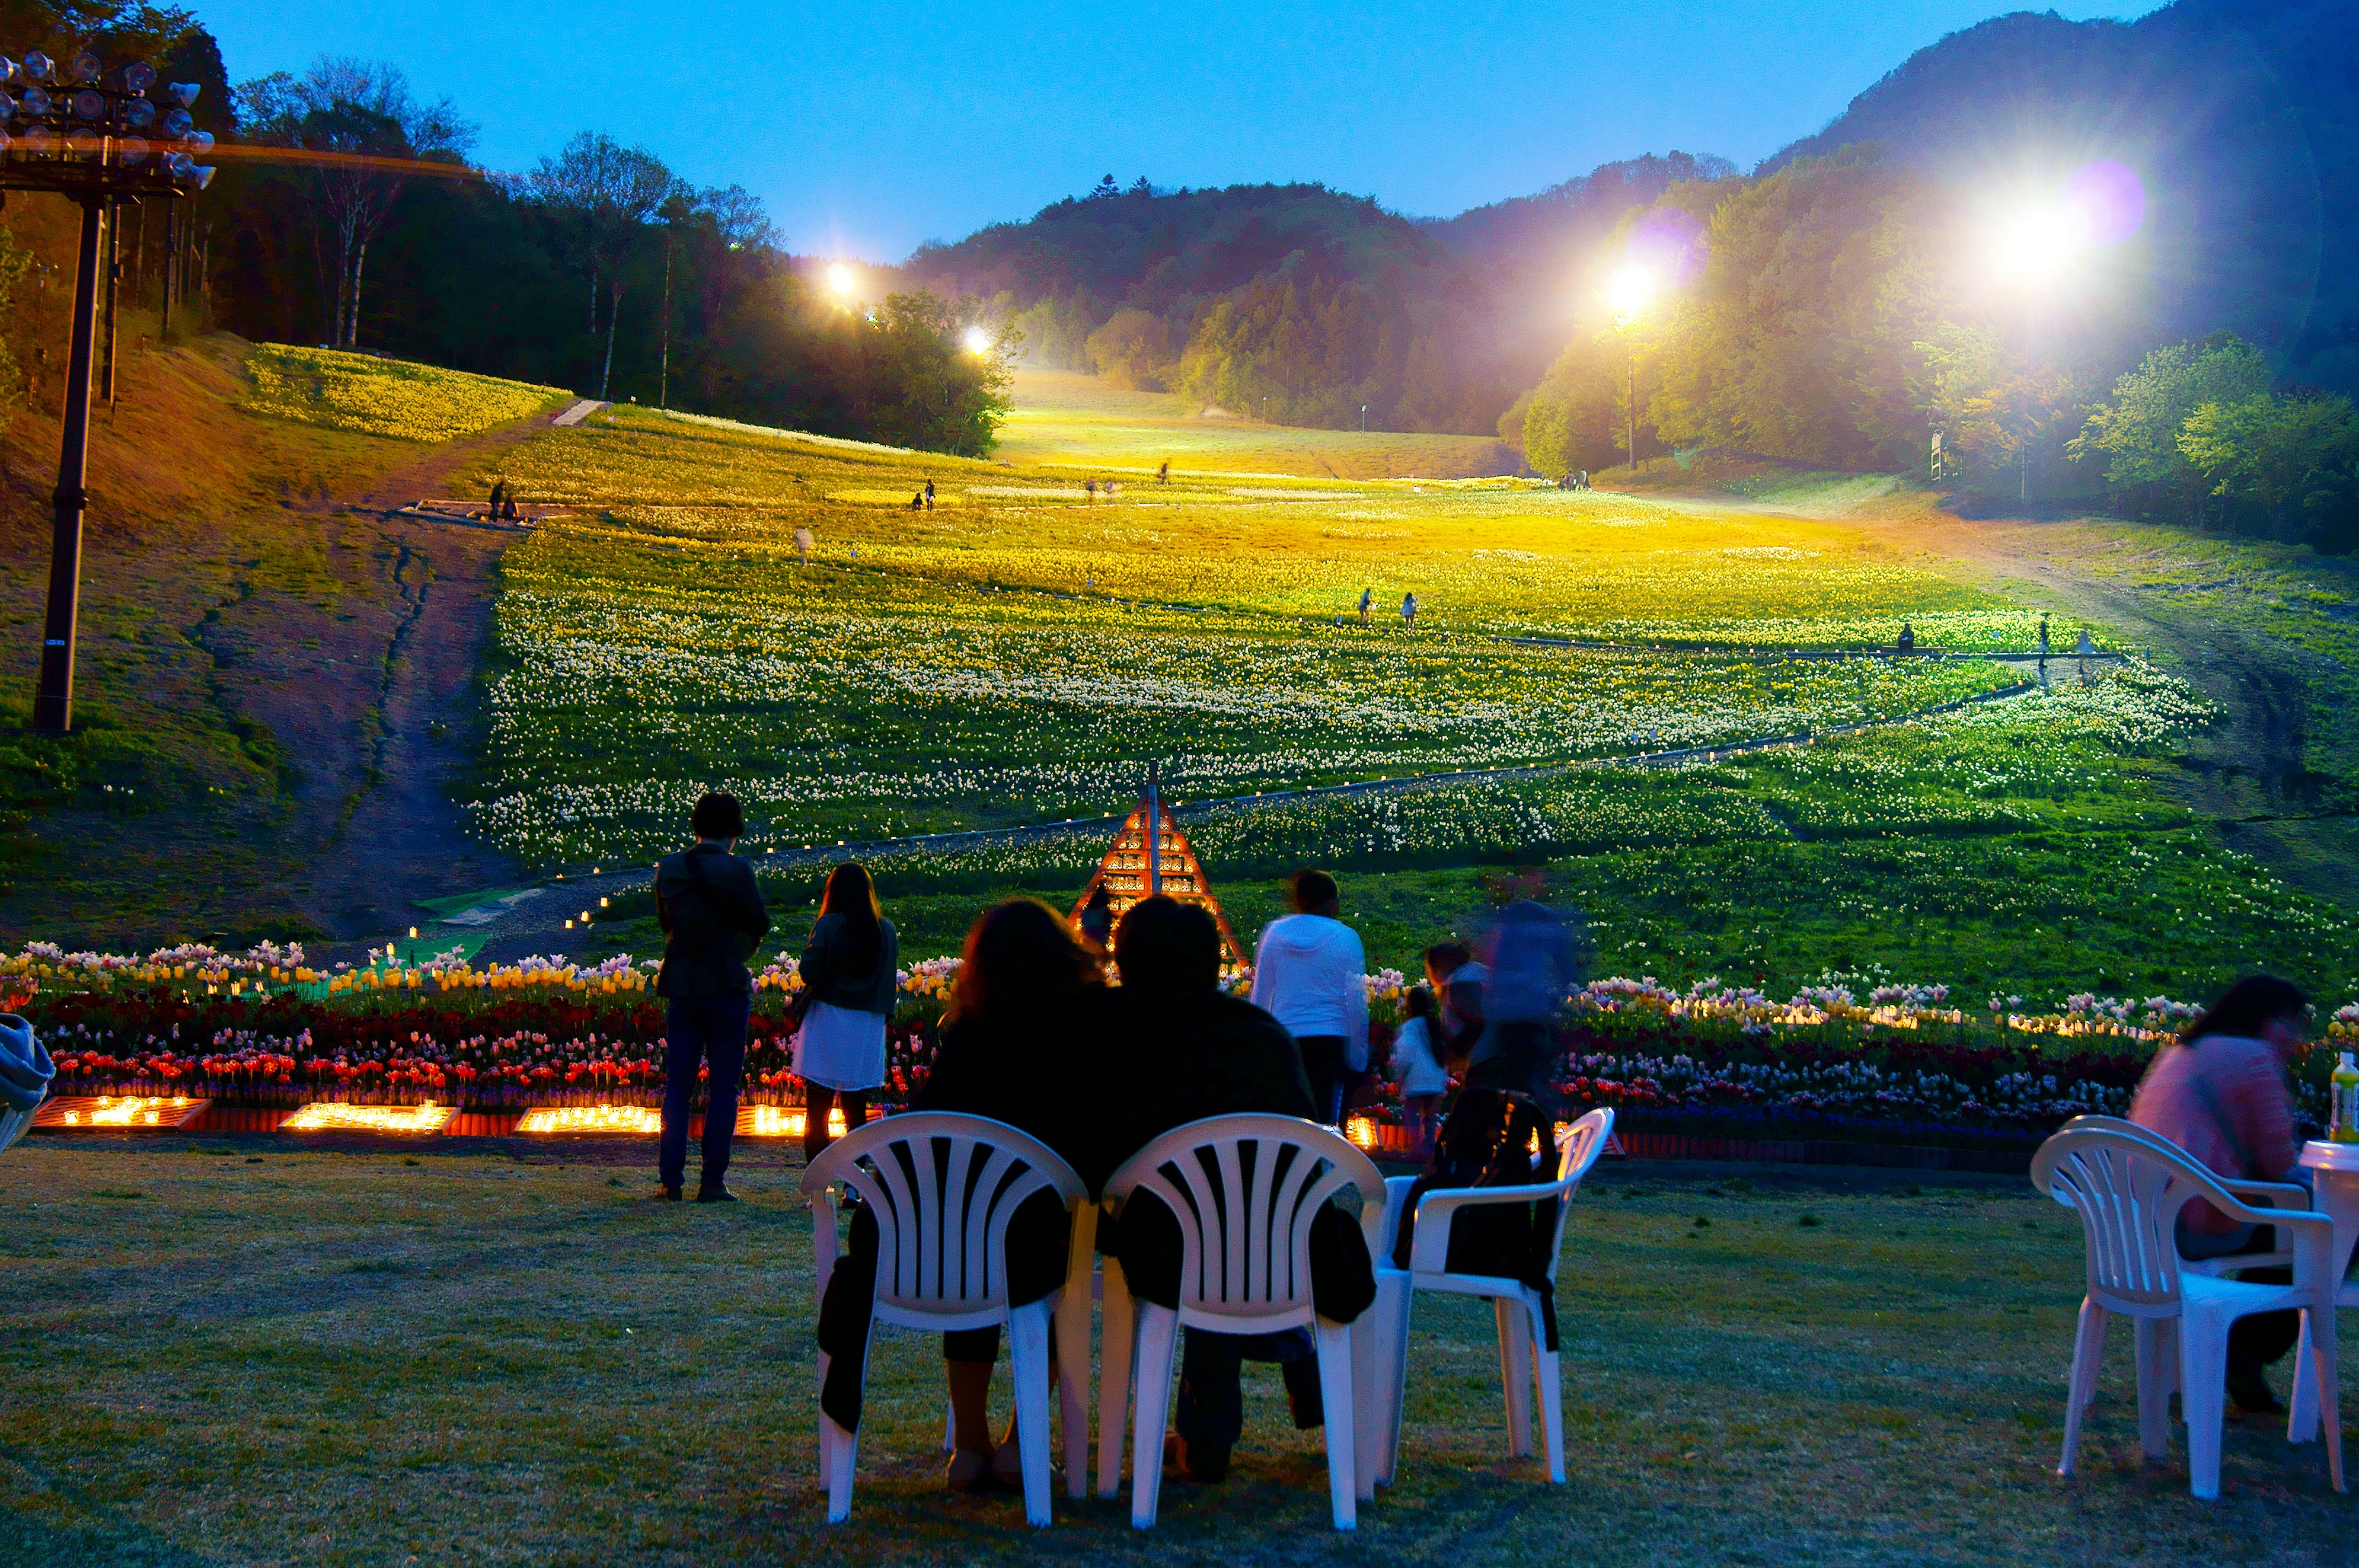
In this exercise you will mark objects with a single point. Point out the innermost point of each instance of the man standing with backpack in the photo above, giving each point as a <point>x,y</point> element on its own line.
<point>712,919</point>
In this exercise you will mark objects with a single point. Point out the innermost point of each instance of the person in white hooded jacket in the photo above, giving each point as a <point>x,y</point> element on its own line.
<point>1309,975</point>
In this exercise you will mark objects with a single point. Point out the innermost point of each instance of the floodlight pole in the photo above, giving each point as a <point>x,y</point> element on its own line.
<point>1154,830</point>
<point>54,699</point>
<point>1632,406</point>
<point>114,274</point>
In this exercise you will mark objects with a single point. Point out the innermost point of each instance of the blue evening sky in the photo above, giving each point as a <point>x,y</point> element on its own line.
<point>867,129</point>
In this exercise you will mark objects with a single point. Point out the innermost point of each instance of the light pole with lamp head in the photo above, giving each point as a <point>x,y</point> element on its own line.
<point>1630,291</point>
<point>2034,252</point>
<point>94,135</point>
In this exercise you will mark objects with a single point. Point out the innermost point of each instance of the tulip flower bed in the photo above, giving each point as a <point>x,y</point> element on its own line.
<point>1904,1065</point>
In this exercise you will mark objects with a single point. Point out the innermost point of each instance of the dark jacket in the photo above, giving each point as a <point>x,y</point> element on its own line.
<point>712,920</point>
<point>832,975</point>
<point>1162,1058</point>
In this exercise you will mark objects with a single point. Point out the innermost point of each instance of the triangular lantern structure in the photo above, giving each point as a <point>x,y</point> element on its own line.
<point>1135,868</point>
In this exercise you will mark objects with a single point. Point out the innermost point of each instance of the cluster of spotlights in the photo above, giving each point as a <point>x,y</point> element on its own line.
<point>87,123</point>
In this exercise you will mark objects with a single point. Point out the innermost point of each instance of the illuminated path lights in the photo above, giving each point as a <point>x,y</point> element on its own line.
<point>332,1116</point>
<point>118,1113</point>
<point>645,1121</point>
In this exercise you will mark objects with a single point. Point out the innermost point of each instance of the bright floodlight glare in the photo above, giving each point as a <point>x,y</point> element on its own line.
<point>977,340</point>
<point>2039,245</point>
<point>1629,290</point>
<point>839,278</point>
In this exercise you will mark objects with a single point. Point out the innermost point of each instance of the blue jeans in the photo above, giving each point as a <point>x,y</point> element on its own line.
<point>710,1030</point>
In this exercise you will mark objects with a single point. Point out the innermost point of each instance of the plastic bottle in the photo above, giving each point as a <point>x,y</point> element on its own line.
<point>2344,1127</point>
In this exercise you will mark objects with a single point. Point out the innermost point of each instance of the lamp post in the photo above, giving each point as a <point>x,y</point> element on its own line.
<point>1628,293</point>
<point>98,139</point>
<point>2036,250</point>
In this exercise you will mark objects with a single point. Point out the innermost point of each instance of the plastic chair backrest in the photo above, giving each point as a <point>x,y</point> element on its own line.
<point>2128,1190</point>
<point>1244,1190</point>
<point>1578,1146</point>
<point>942,1187</point>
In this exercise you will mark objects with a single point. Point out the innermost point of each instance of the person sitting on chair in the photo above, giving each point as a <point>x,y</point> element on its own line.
<point>1187,1050</point>
<point>2220,1094</point>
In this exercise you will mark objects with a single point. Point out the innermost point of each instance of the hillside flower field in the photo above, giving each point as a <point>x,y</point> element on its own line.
<point>348,391</point>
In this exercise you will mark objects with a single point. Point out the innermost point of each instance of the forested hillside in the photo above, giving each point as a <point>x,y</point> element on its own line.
<point>2241,120</point>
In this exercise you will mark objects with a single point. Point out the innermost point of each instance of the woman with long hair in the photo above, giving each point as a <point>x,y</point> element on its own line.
<point>2220,1094</point>
<point>1010,1044</point>
<point>851,979</point>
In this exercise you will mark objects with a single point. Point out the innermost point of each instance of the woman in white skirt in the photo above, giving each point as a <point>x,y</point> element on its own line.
<point>851,980</point>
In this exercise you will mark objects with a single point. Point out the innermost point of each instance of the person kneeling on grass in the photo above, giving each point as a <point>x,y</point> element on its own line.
<point>712,920</point>
<point>1008,1047</point>
<point>2220,1094</point>
<point>1172,1048</point>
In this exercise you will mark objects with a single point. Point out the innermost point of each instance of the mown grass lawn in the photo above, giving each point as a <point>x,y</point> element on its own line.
<point>242,1351</point>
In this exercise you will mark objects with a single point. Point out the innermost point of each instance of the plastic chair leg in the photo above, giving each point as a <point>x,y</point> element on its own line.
<point>1548,1391</point>
<point>2320,1363</point>
<point>823,1246</point>
<point>838,1448</point>
<point>1515,1375</point>
<point>1116,1366</point>
<point>1027,1331</point>
<point>1342,1447</point>
<point>2157,1358</point>
<point>1158,1344</point>
<point>1394,1295</point>
<point>2302,1407</point>
<point>1071,1326</point>
<point>2088,1353</point>
<point>2203,1397</point>
<point>1368,1405</point>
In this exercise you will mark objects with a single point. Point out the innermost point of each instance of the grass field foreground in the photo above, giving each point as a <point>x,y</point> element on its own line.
<point>348,1359</point>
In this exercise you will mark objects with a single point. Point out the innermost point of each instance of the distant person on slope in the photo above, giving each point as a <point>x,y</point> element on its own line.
<point>930,495</point>
<point>1367,598</point>
<point>1163,474</point>
<point>712,919</point>
<point>1906,641</point>
<point>850,981</point>
<point>1408,611</point>
<point>1309,975</point>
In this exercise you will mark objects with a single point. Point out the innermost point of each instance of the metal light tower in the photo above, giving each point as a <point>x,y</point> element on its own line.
<point>1630,291</point>
<point>92,134</point>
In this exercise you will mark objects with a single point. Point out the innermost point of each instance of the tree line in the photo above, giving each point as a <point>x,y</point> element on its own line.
<point>353,214</point>
<point>1835,314</point>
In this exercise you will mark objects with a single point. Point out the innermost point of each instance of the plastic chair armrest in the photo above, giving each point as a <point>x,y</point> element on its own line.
<point>2283,1195</point>
<point>1396,1205</point>
<point>2313,1239</point>
<point>1436,1210</point>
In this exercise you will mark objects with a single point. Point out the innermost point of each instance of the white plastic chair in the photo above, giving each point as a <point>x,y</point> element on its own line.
<point>941,1188</point>
<point>1528,1370</point>
<point>1244,1190</point>
<point>2128,1192</point>
<point>2272,1195</point>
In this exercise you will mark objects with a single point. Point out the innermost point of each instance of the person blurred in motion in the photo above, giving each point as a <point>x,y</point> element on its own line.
<point>1008,1048</point>
<point>712,919</point>
<point>1183,1050</point>
<point>1534,963</point>
<point>2220,1094</point>
<point>1458,983</point>
<point>851,980</point>
<point>1310,975</point>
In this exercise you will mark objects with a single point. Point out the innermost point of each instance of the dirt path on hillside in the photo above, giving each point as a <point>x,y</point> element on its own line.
<point>2248,772</point>
<point>382,719</point>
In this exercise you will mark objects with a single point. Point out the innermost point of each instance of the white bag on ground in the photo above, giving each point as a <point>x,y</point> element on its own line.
<point>24,1073</point>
